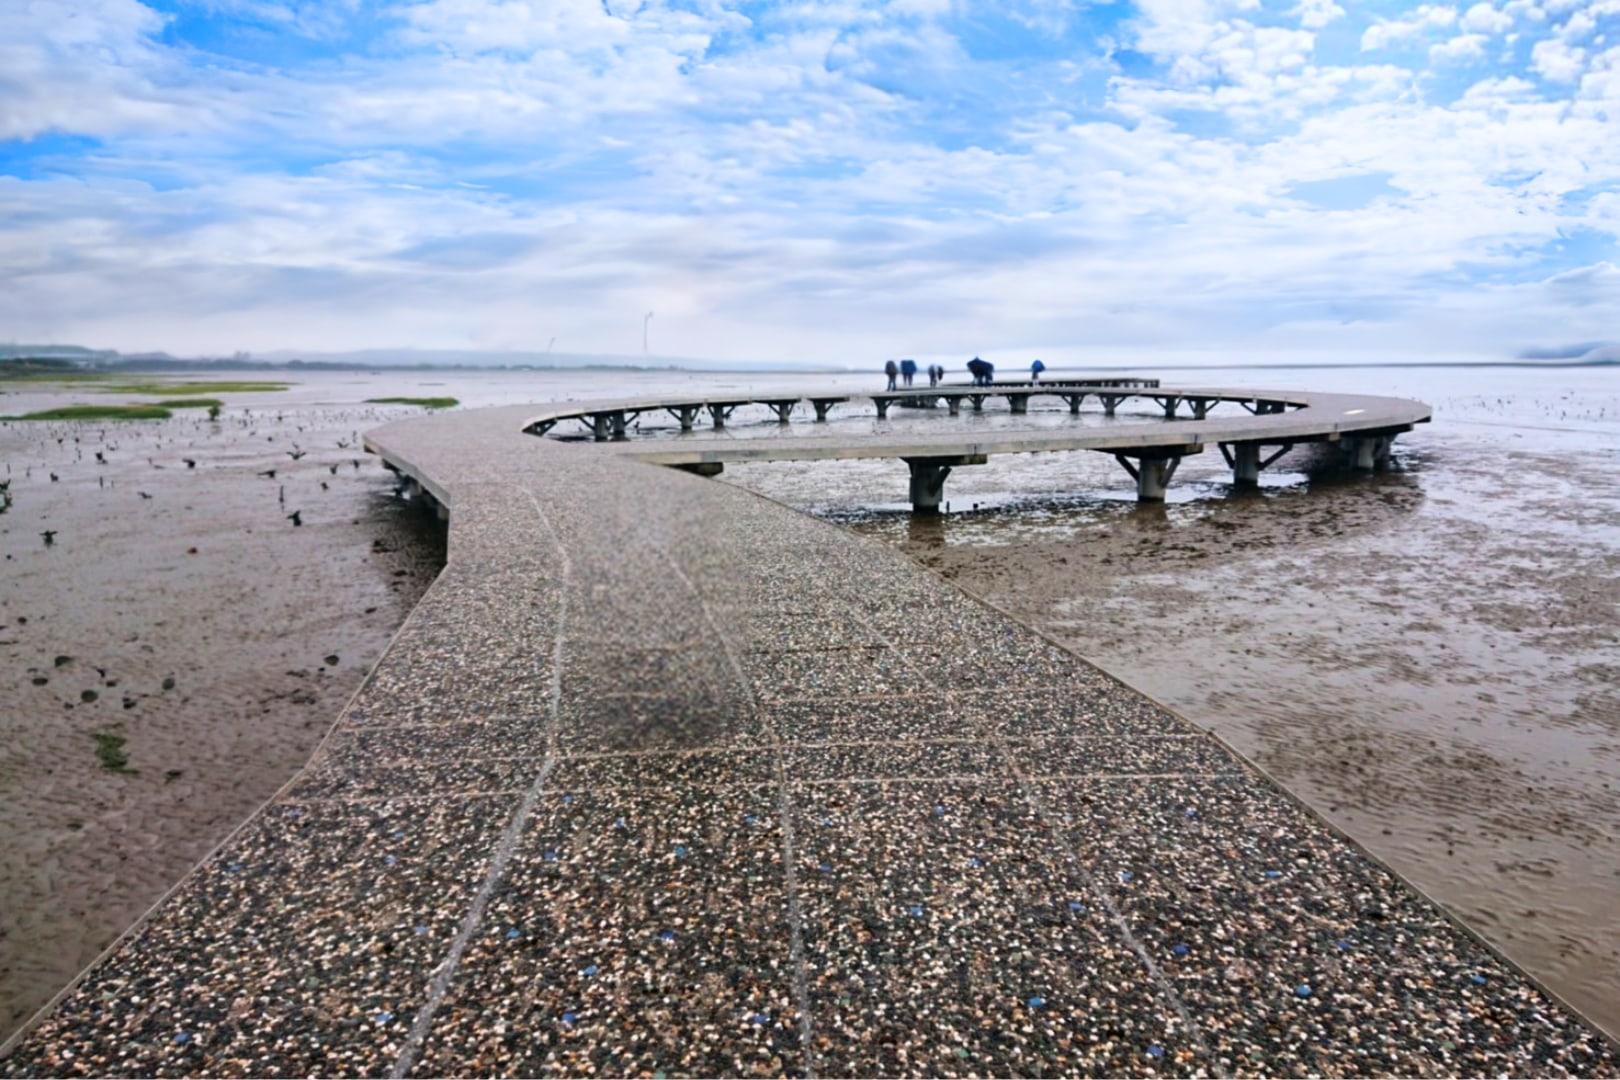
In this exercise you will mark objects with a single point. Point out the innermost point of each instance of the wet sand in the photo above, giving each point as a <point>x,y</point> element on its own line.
<point>180,610</point>
<point>1428,656</point>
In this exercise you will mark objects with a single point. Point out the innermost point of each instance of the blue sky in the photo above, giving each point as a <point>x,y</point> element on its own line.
<point>1159,181</point>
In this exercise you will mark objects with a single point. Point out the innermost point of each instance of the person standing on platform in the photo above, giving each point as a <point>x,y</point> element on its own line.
<point>933,375</point>
<point>1035,370</point>
<point>983,371</point>
<point>908,371</point>
<point>891,369</point>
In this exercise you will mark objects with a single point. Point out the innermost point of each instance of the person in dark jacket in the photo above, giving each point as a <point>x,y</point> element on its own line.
<point>982,371</point>
<point>908,371</point>
<point>891,369</point>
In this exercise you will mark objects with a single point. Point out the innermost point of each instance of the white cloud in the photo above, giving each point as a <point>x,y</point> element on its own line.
<point>85,67</point>
<point>1556,61</point>
<point>1577,26</point>
<point>1462,48</point>
<point>1387,32</point>
<point>1482,18</point>
<point>1315,14</point>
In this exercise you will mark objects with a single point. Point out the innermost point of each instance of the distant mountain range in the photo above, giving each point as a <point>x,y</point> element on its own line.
<point>393,359</point>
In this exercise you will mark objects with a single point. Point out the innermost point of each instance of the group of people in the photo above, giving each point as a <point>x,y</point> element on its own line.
<point>906,371</point>
<point>983,372</point>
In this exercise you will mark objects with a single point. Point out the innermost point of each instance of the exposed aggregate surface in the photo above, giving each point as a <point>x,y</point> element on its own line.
<point>664,779</point>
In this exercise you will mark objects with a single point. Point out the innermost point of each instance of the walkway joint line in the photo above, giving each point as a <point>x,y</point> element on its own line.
<point>784,809</point>
<point>439,987</point>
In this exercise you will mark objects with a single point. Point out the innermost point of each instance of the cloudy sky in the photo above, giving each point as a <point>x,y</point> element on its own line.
<point>813,181</point>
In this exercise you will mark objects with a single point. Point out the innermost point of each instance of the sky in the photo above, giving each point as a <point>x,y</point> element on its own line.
<point>1177,181</point>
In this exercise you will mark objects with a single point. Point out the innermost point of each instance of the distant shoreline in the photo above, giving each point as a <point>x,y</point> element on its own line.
<point>43,367</point>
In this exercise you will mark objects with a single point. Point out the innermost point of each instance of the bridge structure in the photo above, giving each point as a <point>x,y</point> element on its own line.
<point>1255,429</point>
<point>661,778</point>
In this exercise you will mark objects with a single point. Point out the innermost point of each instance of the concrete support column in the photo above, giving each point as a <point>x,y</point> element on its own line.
<point>954,403</point>
<point>783,410</point>
<point>1018,403</point>
<point>1074,401</point>
<point>1111,402</point>
<point>1200,407</point>
<point>719,413</point>
<point>1169,405</point>
<point>618,422</point>
<point>1152,475</point>
<point>978,402</point>
<point>882,407</point>
<point>686,414</point>
<point>1362,453</point>
<point>599,427</point>
<point>928,479</point>
<point>1246,465</point>
<point>927,485</point>
<point>821,406</point>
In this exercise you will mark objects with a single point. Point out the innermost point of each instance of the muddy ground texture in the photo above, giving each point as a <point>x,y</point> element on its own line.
<point>173,646</point>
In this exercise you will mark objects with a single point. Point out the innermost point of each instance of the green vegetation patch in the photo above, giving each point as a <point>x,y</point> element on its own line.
<point>157,388</point>
<point>110,749</point>
<point>98,412</point>
<point>191,403</point>
<point>425,402</point>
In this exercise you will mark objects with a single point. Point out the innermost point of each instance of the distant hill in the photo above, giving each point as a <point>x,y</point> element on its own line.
<point>13,367</point>
<point>1585,352</point>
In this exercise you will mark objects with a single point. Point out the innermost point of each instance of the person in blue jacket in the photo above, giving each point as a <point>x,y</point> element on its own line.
<point>908,371</point>
<point>1035,370</point>
<point>983,371</point>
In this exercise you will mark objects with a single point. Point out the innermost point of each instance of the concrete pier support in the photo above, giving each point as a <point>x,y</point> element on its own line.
<point>954,404</point>
<point>1074,401</point>
<point>704,468</point>
<point>1249,460</point>
<point>1152,474</point>
<point>928,479</point>
<point>1245,462</point>
<point>1168,404</point>
<point>882,407</point>
<point>783,409</point>
<point>1018,403</point>
<point>1201,406</point>
<point>978,401</point>
<point>821,405</point>
<point>1110,402</point>
<point>686,414</point>
<point>1369,452</point>
<point>720,414</point>
<point>609,425</point>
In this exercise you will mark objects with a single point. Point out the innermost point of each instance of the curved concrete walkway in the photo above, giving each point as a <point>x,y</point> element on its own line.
<point>633,795</point>
<point>1256,427</point>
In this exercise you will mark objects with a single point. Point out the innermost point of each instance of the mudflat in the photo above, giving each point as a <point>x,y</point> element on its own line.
<point>173,647</point>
